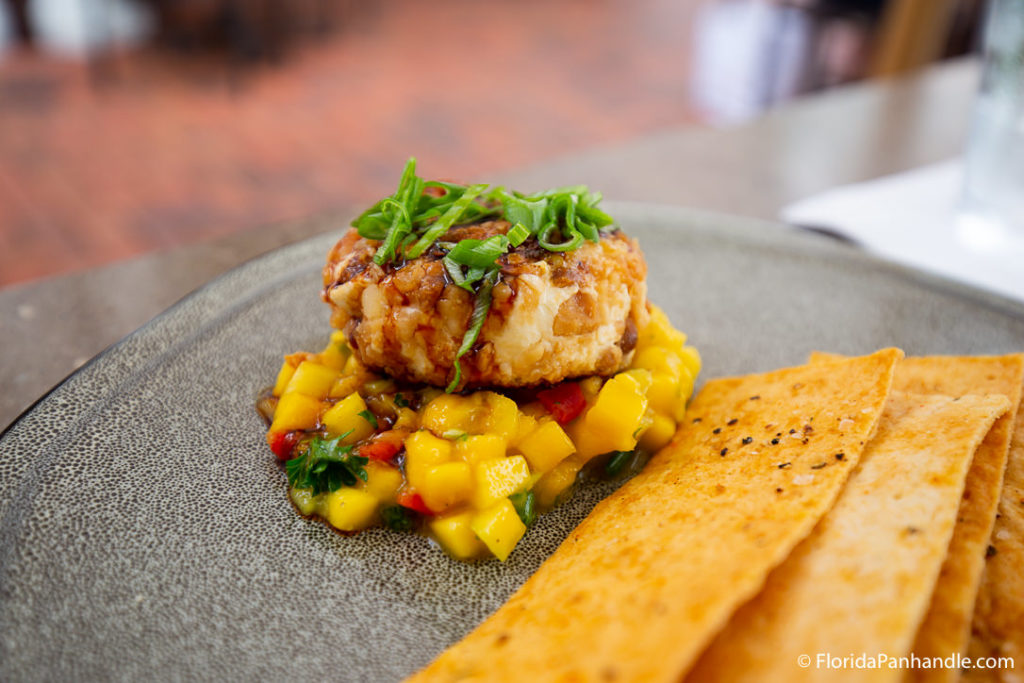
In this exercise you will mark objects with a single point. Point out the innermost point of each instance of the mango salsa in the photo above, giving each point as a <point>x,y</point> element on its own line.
<point>556,482</point>
<point>546,446</point>
<point>468,470</point>
<point>423,452</point>
<point>311,379</point>
<point>499,527</point>
<point>617,414</point>
<point>347,416</point>
<point>295,411</point>
<point>382,481</point>
<point>446,485</point>
<point>480,447</point>
<point>497,479</point>
<point>350,509</point>
<point>454,533</point>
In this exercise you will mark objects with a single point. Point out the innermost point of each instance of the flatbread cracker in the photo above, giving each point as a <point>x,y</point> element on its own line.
<point>946,628</point>
<point>642,585</point>
<point>998,626</point>
<point>862,581</point>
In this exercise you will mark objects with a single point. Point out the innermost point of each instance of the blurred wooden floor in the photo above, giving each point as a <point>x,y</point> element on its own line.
<point>165,150</point>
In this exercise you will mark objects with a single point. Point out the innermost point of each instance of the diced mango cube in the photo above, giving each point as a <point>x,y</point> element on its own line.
<point>499,527</point>
<point>304,500</point>
<point>353,366</point>
<point>480,447</point>
<point>657,436</point>
<point>446,485</point>
<point>448,413</point>
<point>378,386</point>
<point>350,509</point>
<point>547,446</point>
<point>284,375</point>
<point>642,377</point>
<point>501,416</point>
<point>407,419</point>
<point>496,479</point>
<point>345,385</point>
<point>484,412</point>
<point>691,359</point>
<point>664,392</point>
<point>456,536</point>
<point>658,359</point>
<point>557,481</point>
<point>619,410</point>
<point>344,417</point>
<point>423,451</point>
<point>588,443</point>
<point>382,480</point>
<point>336,353</point>
<point>311,379</point>
<point>686,380</point>
<point>527,423</point>
<point>590,386</point>
<point>534,409</point>
<point>659,332</point>
<point>295,411</point>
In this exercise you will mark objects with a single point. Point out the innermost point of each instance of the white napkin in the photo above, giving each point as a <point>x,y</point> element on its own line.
<point>914,218</point>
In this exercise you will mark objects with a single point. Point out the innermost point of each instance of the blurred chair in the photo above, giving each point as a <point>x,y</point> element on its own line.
<point>18,10</point>
<point>752,54</point>
<point>249,30</point>
<point>912,33</point>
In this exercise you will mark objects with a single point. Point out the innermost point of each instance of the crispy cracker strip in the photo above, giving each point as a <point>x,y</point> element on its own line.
<point>862,581</point>
<point>642,585</point>
<point>998,624</point>
<point>946,628</point>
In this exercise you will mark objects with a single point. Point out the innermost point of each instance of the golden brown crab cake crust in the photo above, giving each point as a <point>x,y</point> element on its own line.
<point>553,316</point>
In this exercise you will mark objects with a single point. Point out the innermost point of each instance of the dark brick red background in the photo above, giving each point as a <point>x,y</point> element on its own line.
<point>161,149</point>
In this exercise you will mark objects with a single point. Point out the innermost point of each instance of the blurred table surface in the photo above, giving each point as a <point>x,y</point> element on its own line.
<point>845,135</point>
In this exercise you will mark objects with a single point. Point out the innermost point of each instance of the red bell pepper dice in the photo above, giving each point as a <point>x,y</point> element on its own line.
<point>414,501</point>
<point>564,401</point>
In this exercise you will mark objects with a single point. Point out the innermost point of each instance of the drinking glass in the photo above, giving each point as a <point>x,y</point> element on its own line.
<point>992,210</point>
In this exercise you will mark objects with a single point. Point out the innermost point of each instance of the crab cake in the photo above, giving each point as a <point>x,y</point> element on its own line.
<point>553,315</point>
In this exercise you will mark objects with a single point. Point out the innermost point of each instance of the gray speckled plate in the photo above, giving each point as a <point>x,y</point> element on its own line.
<point>144,528</point>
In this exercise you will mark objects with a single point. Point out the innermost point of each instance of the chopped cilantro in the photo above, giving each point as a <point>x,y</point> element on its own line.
<point>369,417</point>
<point>397,518</point>
<point>325,466</point>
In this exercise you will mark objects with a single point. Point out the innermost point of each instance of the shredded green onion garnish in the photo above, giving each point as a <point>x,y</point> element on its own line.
<point>420,212</point>
<point>479,253</point>
<point>428,209</point>
<point>518,234</point>
<point>476,322</point>
<point>446,220</point>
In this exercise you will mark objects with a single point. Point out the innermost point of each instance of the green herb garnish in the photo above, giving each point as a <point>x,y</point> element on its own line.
<point>476,323</point>
<point>397,518</point>
<point>325,466</point>
<point>410,221</point>
<point>401,401</point>
<point>525,505</point>
<point>518,234</point>
<point>369,417</point>
<point>447,219</point>
<point>615,464</point>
